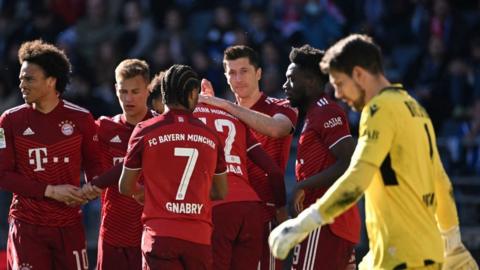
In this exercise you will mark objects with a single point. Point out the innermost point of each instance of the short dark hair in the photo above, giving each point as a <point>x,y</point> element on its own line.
<point>241,51</point>
<point>308,58</point>
<point>177,83</point>
<point>155,87</point>
<point>130,68</point>
<point>354,50</point>
<point>51,59</point>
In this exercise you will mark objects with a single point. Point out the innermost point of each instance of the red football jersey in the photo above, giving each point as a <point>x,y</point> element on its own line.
<point>178,156</point>
<point>117,209</point>
<point>277,149</point>
<point>238,140</point>
<point>325,125</point>
<point>41,149</point>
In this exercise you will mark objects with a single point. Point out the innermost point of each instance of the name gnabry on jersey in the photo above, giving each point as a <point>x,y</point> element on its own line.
<point>184,208</point>
<point>181,137</point>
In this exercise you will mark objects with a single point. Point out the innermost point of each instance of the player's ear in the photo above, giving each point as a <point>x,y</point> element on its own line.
<point>258,73</point>
<point>358,74</point>
<point>193,98</point>
<point>51,82</point>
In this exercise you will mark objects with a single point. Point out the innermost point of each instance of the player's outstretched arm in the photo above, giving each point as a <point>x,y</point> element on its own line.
<point>127,185</point>
<point>108,178</point>
<point>456,256</point>
<point>275,175</point>
<point>277,126</point>
<point>342,151</point>
<point>90,192</point>
<point>346,191</point>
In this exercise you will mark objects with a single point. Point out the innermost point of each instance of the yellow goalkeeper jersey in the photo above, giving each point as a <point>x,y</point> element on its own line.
<point>397,136</point>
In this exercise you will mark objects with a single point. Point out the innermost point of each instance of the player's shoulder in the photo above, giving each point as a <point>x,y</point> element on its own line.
<point>16,110</point>
<point>202,126</point>
<point>150,122</point>
<point>389,100</point>
<point>110,119</point>
<point>326,106</point>
<point>210,111</point>
<point>273,105</point>
<point>71,108</point>
<point>277,102</point>
<point>105,123</point>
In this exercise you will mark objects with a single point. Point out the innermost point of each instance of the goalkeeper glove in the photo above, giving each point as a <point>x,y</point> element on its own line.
<point>456,255</point>
<point>291,232</point>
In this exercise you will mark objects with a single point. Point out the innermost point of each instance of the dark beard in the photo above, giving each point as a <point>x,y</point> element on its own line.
<point>360,102</point>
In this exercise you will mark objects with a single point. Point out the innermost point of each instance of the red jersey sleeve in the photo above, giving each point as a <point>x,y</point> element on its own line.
<point>331,125</point>
<point>251,140</point>
<point>289,112</point>
<point>133,159</point>
<point>91,149</point>
<point>9,179</point>
<point>267,164</point>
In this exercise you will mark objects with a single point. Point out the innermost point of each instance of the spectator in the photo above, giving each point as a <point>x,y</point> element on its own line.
<point>136,33</point>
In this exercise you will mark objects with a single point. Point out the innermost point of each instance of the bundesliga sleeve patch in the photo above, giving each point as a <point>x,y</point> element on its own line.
<point>3,143</point>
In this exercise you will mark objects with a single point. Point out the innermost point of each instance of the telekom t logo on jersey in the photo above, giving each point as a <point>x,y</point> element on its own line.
<point>38,157</point>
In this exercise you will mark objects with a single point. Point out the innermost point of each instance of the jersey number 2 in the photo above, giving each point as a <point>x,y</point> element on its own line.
<point>231,133</point>
<point>192,155</point>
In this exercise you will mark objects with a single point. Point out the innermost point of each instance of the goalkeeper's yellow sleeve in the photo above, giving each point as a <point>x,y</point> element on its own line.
<point>346,191</point>
<point>446,212</point>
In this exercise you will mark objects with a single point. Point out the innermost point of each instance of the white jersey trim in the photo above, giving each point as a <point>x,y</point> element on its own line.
<point>14,109</point>
<point>253,146</point>
<point>311,252</point>
<point>344,137</point>
<point>322,102</point>
<point>74,107</point>
<point>221,173</point>
<point>132,169</point>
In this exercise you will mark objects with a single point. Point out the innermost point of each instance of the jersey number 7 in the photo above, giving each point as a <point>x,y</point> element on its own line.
<point>192,155</point>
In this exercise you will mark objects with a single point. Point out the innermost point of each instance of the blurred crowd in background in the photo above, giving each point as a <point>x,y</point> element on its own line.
<point>431,46</point>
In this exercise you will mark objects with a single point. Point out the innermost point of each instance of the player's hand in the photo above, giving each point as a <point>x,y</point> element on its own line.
<point>207,88</point>
<point>457,257</point>
<point>139,195</point>
<point>460,259</point>
<point>90,191</point>
<point>281,214</point>
<point>298,197</point>
<point>291,232</point>
<point>68,194</point>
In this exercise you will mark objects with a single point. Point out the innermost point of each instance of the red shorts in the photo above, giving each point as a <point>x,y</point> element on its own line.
<point>267,261</point>
<point>237,235</point>
<point>44,248</point>
<point>322,250</point>
<point>118,258</point>
<point>161,252</point>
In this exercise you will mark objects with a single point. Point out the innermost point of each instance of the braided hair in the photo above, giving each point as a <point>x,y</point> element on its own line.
<point>177,83</point>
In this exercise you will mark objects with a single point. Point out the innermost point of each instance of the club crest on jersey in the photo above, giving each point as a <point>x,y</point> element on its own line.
<point>66,127</point>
